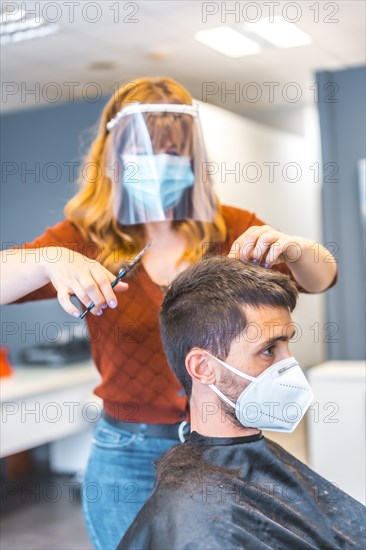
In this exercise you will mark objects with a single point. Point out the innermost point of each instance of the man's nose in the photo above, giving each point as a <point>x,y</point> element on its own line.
<point>285,353</point>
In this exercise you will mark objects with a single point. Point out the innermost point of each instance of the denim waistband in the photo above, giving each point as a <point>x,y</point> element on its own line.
<point>177,431</point>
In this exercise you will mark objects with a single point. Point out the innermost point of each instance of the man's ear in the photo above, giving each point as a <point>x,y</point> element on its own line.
<point>200,367</point>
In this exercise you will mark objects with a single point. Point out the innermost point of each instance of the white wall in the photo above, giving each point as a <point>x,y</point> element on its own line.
<point>290,206</point>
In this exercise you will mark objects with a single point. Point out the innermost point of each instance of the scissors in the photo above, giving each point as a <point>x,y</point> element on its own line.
<point>120,276</point>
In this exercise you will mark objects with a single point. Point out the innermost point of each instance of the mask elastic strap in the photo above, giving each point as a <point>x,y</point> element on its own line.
<point>233,369</point>
<point>220,394</point>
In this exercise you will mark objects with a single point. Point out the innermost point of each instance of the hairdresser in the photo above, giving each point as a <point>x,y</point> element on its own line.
<point>145,183</point>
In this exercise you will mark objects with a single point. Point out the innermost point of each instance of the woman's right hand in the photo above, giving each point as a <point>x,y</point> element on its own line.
<point>87,279</point>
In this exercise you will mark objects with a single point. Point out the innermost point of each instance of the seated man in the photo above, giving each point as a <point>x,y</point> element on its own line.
<point>226,327</point>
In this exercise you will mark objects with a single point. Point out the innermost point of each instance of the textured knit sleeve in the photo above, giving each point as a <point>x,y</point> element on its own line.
<point>63,234</point>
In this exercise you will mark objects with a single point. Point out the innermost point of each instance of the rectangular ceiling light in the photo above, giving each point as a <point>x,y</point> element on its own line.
<point>27,34</point>
<point>228,42</point>
<point>279,32</point>
<point>18,25</point>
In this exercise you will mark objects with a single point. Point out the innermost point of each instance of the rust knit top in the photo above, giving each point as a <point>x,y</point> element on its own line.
<point>137,383</point>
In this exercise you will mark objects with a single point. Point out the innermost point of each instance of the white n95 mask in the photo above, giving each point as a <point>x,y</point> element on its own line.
<point>276,400</point>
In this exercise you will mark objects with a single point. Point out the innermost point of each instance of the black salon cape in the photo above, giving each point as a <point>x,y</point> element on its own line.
<point>243,492</point>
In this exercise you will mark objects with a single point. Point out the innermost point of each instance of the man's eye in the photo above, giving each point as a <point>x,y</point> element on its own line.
<point>268,351</point>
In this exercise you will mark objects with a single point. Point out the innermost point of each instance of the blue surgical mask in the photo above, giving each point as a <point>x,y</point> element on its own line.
<point>157,182</point>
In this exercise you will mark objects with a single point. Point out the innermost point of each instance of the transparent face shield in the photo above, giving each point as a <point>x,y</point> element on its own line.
<point>157,164</point>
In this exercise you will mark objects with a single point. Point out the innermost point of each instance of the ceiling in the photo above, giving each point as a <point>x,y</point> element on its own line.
<point>97,55</point>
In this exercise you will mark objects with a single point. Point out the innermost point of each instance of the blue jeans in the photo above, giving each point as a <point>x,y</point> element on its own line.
<point>118,480</point>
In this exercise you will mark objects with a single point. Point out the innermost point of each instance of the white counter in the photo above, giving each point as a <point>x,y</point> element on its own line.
<point>336,424</point>
<point>27,381</point>
<point>43,404</point>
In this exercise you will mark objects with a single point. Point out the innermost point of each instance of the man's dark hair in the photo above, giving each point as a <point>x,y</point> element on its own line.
<point>204,307</point>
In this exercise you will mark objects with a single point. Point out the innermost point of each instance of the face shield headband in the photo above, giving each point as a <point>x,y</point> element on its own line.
<point>157,165</point>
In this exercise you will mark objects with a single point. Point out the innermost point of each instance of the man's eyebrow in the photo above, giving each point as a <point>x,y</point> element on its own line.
<point>271,341</point>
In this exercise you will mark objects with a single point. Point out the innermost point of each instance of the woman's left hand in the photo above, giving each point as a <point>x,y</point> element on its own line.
<point>261,244</point>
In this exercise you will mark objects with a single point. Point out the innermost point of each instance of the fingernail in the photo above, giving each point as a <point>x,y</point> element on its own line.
<point>255,261</point>
<point>100,312</point>
<point>112,303</point>
<point>76,314</point>
<point>104,306</point>
<point>266,265</point>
